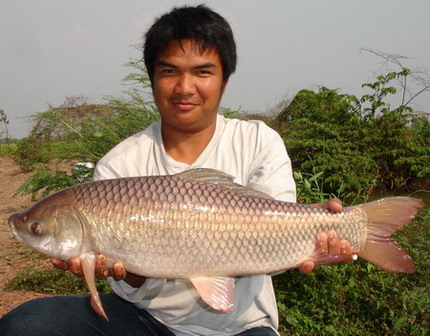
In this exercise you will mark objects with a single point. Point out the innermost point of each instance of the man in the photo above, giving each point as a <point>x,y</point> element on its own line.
<point>190,54</point>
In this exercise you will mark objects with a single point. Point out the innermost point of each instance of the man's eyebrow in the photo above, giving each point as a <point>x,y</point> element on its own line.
<point>165,64</point>
<point>200,66</point>
<point>206,65</point>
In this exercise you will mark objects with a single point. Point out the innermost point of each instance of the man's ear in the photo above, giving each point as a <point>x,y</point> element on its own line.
<point>224,86</point>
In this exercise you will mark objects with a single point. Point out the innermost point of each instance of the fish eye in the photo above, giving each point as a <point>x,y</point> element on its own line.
<point>36,228</point>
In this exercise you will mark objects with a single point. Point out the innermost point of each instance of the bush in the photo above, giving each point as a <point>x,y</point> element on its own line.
<point>363,148</point>
<point>320,131</point>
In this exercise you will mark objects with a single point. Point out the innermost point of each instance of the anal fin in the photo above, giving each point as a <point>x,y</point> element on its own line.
<point>216,292</point>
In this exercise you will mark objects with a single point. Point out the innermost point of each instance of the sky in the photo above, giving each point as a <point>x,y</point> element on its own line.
<point>54,49</point>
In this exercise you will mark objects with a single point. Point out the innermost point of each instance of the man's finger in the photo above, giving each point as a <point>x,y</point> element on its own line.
<point>334,205</point>
<point>119,272</point>
<point>60,264</point>
<point>75,266</point>
<point>322,242</point>
<point>333,243</point>
<point>346,249</point>
<point>307,267</point>
<point>101,268</point>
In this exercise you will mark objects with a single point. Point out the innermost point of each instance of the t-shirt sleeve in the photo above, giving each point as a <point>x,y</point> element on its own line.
<point>104,172</point>
<point>271,170</point>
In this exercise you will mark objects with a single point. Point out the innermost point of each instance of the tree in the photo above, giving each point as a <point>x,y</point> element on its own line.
<point>411,82</point>
<point>5,122</point>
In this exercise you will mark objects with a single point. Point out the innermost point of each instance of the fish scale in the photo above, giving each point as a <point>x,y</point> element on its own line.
<point>204,229</point>
<point>201,226</point>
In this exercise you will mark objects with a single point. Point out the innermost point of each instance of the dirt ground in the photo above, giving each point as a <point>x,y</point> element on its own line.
<point>14,257</point>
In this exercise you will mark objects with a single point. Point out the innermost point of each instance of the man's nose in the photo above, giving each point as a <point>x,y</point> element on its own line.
<point>185,84</point>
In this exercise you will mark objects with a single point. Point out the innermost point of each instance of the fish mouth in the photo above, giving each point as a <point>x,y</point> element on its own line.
<point>12,227</point>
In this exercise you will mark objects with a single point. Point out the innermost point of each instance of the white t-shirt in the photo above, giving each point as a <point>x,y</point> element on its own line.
<point>256,156</point>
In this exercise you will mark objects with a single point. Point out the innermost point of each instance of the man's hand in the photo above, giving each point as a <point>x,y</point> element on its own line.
<point>328,242</point>
<point>102,271</point>
<point>334,205</point>
<point>118,271</point>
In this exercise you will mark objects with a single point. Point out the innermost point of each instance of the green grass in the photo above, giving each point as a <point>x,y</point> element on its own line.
<point>54,282</point>
<point>6,149</point>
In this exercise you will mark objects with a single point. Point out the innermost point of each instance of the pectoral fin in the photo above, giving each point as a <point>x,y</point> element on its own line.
<point>88,263</point>
<point>216,292</point>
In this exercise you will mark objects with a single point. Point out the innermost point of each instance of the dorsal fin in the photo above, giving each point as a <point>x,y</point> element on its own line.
<point>221,179</point>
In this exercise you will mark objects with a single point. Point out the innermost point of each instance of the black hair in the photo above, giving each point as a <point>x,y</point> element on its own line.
<point>200,24</point>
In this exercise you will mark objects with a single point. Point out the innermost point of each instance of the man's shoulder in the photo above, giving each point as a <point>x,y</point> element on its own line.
<point>134,143</point>
<point>250,128</point>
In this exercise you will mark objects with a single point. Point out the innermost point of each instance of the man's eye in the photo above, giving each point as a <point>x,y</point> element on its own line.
<point>168,71</point>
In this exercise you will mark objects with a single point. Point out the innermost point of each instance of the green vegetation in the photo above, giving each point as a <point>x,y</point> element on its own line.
<point>7,148</point>
<point>361,145</point>
<point>77,132</point>
<point>7,144</point>
<point>54,282</point>
<point>340,145</point>
<point>310,188</point>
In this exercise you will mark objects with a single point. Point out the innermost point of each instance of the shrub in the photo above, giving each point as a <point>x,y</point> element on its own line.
<point>320,131</point>
<point>361,143</point>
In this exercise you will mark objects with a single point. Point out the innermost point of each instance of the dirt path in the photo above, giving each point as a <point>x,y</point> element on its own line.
<point>14,257</point>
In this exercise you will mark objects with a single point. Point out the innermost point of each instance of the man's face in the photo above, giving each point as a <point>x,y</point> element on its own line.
<point>188,86</point>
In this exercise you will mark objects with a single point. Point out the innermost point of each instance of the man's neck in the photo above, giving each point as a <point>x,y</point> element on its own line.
<point>186,147</point>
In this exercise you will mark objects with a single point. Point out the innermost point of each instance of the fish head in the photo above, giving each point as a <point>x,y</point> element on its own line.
<point>52,226</point>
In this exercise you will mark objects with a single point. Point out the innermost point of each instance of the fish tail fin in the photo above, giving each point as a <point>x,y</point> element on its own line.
<point>385,217</point>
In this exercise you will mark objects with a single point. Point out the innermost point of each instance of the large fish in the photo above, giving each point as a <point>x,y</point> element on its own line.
<point>201,226</point>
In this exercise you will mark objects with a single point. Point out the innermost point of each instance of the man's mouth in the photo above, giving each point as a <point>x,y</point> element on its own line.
<point>184,105</point>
